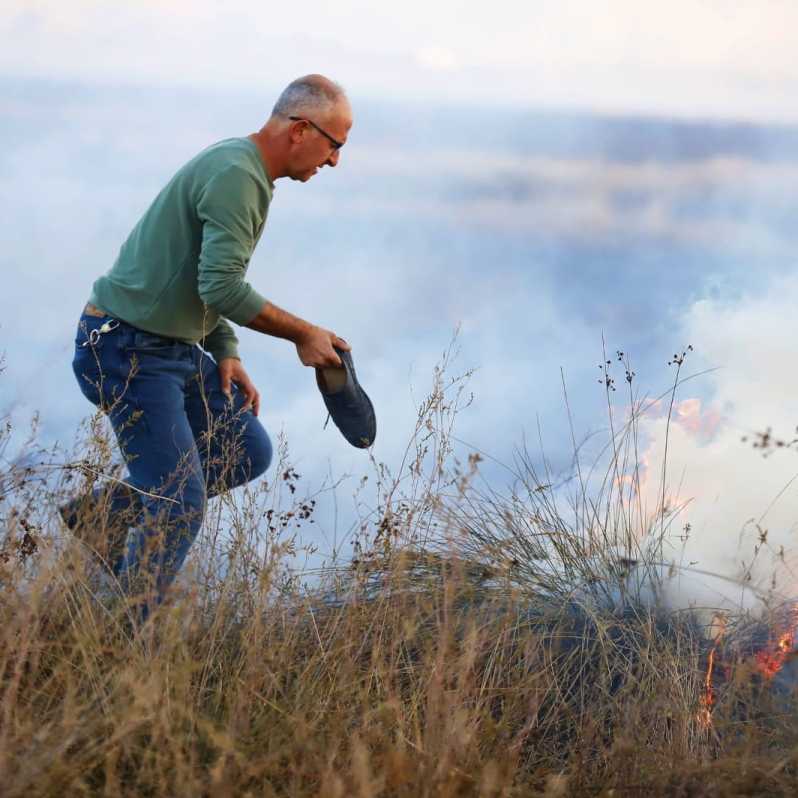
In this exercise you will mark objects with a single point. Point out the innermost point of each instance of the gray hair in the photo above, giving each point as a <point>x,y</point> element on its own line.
<point>306,95</point>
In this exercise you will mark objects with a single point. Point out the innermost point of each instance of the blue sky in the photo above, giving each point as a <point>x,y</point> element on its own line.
<point>537,201</point>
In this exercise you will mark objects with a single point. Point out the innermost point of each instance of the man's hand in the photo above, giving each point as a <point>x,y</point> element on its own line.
<point>315,348</point>
<point>314,345</point>
<point>231,371</point>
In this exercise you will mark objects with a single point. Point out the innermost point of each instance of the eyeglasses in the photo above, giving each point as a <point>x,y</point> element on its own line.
<point>336,144</point>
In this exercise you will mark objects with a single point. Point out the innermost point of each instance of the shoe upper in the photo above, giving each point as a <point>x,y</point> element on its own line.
<point>347,403</point>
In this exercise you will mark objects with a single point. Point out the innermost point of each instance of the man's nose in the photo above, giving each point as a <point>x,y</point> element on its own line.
<point>334,158</point>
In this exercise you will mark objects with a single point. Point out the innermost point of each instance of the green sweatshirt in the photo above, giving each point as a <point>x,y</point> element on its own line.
<point>181,271</point>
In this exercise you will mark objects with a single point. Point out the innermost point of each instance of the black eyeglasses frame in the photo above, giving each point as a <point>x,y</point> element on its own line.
<point>336,144</point>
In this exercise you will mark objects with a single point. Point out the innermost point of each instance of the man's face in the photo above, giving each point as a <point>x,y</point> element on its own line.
<point>311,148</point>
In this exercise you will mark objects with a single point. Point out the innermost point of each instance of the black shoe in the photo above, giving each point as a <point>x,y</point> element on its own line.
<point>346,401</point>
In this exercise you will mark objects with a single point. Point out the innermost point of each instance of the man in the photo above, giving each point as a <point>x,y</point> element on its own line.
<point>187,424</point>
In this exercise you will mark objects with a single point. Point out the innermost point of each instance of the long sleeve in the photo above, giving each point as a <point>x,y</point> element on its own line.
<point>232,210</point>
<point>183,266</point>
<point>221,342</point>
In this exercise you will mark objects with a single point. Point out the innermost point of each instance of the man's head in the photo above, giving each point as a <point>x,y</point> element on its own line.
<point>308,126</point>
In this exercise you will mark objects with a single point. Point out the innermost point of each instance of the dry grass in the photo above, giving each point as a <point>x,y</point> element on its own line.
<point>480,645</point>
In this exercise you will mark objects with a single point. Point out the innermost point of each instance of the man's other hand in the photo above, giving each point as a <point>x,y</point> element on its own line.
<point>315,348</point>
<point>231,371</point>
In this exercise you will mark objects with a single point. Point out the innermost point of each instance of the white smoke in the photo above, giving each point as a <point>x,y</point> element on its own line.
<point>741,514</point>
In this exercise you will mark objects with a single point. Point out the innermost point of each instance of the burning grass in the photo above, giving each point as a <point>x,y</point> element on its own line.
<point>479,644</point>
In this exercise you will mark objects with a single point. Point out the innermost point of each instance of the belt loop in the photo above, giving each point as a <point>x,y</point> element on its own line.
<point>93,310</point>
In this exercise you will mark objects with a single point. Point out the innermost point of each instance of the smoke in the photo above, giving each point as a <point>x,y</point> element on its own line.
<point>729,464</point>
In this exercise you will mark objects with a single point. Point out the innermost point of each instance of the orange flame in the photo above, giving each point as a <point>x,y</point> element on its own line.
<point>707,700</point>
<point>770,662</point>
<point>708,697</point>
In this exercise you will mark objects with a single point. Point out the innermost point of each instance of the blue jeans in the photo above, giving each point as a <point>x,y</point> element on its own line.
<point>182,439</point>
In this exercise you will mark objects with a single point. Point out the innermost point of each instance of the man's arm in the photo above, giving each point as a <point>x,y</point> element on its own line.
<point>228,210</point>
<point>229,207</point>
<point>314,345</point>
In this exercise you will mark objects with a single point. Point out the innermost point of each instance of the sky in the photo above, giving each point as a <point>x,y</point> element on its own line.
<point>690,57</point>
<point>539,176</point>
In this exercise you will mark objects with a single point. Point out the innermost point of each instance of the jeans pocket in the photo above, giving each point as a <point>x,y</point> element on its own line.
<point>87,362</point>
<point>87,373</point>
<point>100,375</point>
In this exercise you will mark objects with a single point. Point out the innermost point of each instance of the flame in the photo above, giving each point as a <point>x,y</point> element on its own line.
<point>707,700</point>
<point>771,661</point>
<point>708,696</point>
<point>768,662</point>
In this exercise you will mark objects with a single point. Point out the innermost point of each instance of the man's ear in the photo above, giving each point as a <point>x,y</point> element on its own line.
<point>297,131</point>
